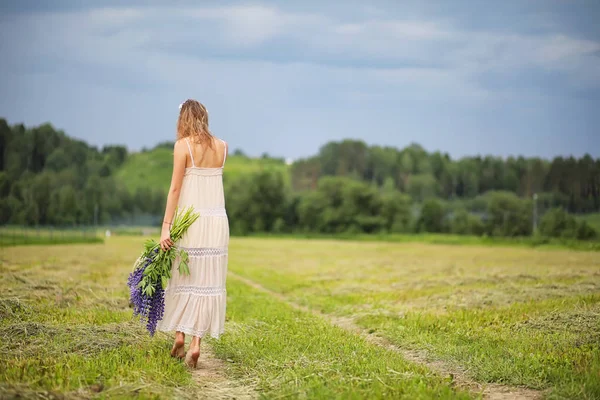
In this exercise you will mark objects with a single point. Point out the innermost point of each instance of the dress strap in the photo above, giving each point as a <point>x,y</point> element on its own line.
<point>190,149</point>
<point>225,156</point>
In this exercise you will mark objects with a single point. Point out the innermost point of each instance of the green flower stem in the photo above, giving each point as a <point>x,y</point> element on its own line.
<point>159,270</point>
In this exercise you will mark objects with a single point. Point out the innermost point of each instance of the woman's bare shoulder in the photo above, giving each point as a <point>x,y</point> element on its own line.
<point>180,145</point>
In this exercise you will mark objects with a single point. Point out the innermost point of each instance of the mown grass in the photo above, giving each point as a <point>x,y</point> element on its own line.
<point>153,168</point>
<point>293,354</point>
<point>66,330</point>
<point>132,230</point>
<point>540,345</point>
<point>443,238</point>
<point>21,236</point>
<point>17,236</point>
<point>506,315</point>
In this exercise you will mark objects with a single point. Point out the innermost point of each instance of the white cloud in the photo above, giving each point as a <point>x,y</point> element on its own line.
<point>103,17</point>
<point>392,29</point>
<point>124,36</point>
<point>557,48</point>
<point>281,72</point>
<point>254,25</point>
<point>544,51</point>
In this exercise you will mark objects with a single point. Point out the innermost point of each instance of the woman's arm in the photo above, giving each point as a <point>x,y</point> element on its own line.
<point>179,161</point>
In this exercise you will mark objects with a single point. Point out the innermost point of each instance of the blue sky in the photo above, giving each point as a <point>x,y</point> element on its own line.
<point>505,78</point>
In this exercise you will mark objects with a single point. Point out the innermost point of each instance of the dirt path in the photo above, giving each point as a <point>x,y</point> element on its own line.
<point>491,391</point>
<point>211,377</point>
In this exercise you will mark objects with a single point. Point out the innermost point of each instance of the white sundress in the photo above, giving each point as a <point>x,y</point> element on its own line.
<point>195,304</point>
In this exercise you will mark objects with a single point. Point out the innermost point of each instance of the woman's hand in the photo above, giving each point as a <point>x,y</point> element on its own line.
<point>165,238</point>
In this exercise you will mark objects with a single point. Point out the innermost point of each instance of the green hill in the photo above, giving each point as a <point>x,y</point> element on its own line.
<point>153,168</point>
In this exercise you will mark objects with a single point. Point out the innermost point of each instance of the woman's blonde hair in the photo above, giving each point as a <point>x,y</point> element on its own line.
<point>193,122</point>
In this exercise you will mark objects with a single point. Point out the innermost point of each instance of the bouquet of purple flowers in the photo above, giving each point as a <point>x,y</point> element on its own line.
<point>152,271</point>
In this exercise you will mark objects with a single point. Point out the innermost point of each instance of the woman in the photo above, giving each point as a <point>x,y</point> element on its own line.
<point>195,303</point>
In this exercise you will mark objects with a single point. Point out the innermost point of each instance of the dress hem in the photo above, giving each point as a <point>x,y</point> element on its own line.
<point>190,331</point>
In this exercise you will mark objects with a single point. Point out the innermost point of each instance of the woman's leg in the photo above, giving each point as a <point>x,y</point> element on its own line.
<point>178,349</point>
<point>193,352</point>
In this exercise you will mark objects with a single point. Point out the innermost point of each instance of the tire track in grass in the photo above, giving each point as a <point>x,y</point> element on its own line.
<point>491,391</point>
<point>212,378</point>
<point>288,353</point>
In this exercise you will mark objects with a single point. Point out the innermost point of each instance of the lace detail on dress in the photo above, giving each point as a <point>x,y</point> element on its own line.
<point>189,331</point>
<point>198,290</point>
<point>205,251</point>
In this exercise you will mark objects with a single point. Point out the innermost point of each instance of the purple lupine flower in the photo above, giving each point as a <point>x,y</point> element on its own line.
<point>146,304</point>
<point>135,277</point>
<point>134,291</point>
<point>149,308</point>
<point>134,280</point>
<point>157,308</point>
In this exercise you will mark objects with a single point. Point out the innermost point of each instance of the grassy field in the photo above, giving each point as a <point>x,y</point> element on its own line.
<point>449,239</point>
<point>13,236</point>
<point>510,316</point>
<point>154,168</point>
<point>10,236</point>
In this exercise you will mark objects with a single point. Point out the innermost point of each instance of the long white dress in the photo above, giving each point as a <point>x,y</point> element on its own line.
<point>195,304</point>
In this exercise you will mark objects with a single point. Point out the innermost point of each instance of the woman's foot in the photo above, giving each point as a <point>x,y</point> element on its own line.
<point>191,357</point>
<point>178,347</point>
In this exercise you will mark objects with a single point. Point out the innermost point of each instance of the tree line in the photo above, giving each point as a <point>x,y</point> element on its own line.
<point>571,183</point>
<point>262,203</point>
<point>47,178</point>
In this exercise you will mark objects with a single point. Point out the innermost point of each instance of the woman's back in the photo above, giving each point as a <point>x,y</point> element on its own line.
<point>210,154</point>
<point>202,185</point>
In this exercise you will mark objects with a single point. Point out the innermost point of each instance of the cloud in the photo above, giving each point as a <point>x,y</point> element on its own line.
<point>291,71</point>
<point>125,36</point>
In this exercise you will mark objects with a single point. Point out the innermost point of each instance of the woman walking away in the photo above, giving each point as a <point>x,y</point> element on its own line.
<point>195,303</point>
